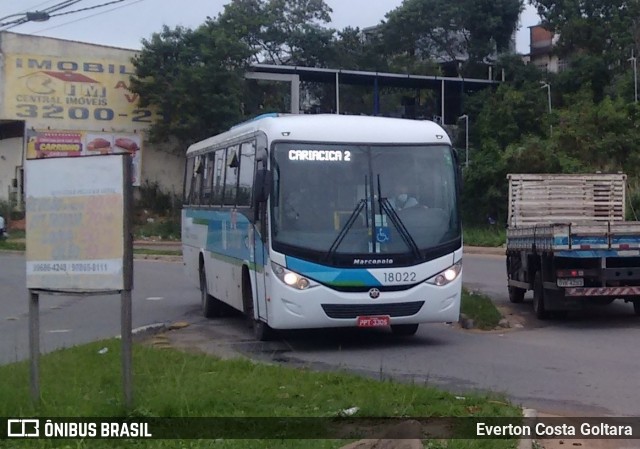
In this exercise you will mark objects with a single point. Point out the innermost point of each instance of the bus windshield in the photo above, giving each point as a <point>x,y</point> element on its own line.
<point>332,200</point>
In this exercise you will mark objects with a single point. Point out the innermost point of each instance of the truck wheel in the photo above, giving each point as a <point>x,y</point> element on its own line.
<point>516,294</point>
<point>636,306</point>
<point>211,307</point>
<point>538,298</point>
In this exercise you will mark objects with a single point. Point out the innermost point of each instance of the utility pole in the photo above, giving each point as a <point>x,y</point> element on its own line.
<point>635,76</point>
<point>466,139</point>
<point>548,87</point>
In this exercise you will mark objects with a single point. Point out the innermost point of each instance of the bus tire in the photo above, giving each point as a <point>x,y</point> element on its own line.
<point>261,330</point>
<point>516,294</point>
<point>404,330</point>
<point>211,307</point>
<point>538,298</point>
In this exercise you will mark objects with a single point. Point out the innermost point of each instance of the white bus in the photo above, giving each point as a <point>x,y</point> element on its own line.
<point>318,221</point>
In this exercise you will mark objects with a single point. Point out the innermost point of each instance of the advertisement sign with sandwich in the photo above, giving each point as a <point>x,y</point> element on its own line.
<point>47,144</point>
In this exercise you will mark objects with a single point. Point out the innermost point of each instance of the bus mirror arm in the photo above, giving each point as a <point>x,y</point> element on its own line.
<point>264,180</point>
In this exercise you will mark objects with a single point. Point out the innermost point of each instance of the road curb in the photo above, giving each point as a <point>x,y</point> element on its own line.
<point>527,443</point>
<point>498,251</point>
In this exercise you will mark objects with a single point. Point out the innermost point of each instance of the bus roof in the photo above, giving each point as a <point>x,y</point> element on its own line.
<point>332,128</point>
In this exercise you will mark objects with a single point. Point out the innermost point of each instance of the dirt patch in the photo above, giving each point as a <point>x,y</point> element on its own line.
<point>17,225</point>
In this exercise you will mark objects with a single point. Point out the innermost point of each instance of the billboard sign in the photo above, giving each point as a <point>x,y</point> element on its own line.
<point>73,93</point>
<point>76,223</point>
<point>47,143</point>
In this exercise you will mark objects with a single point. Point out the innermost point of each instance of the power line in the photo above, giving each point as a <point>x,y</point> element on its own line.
<point>25,19</point>
<point>88,8</point>
<point>36,6</point>
<point>86,17</point>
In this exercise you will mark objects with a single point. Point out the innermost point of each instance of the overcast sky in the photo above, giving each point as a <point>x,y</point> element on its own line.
<point>126,23</point>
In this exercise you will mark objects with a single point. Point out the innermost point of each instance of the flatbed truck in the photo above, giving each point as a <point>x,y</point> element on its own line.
<point>568,242</point>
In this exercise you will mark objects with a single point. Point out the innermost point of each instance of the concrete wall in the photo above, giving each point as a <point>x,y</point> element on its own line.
<point>166,169</point>
<point>10,158</point>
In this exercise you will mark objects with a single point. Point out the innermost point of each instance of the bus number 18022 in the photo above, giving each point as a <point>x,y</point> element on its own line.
<point>400,276</point>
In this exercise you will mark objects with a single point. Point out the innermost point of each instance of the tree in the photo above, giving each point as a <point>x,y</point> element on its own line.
<point>194,80</point>
<point>281,31</point>
<point>441,29</point>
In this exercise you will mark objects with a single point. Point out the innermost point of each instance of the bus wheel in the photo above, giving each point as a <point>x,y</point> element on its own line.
<point>261,330</point>
<point>211,307</point>
<point>404,329</point>
<point>516,294</point>
<point>538,298</point>
<point>636,306</point>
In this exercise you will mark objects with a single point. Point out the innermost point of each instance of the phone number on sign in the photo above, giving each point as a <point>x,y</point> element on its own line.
<point>52,111</point>
<point>70,267</point>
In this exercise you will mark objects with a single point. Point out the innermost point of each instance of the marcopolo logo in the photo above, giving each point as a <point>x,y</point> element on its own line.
<point>23,428</point>
<point>372,261</point>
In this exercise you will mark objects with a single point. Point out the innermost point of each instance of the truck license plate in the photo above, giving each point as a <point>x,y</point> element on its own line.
<point>571,282</point>
<point>373,321</point>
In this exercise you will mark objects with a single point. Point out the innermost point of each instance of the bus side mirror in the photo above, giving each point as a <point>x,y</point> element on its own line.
<point>262,186</point>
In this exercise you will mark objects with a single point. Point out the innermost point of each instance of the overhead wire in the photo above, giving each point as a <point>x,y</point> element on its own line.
<point>56,7</point>
<point>86,17</point>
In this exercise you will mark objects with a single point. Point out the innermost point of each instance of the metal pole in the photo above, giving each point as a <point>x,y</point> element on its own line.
<point>548,86</point>
<point>337,93</point>
<point>376,96</point>
<point>126,335</point>
<point>635,77</point>
<point>295,94</point>
<point>442,108</point>
<point>549,98</point>
<point>466,141</point>
<point>34,344</point>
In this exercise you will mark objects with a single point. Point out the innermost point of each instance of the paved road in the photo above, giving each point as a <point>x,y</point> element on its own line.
<point>158,296</point>
<point>586,365</point>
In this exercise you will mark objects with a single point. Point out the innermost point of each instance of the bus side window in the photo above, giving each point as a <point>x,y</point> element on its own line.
<point>218,177</point>
<point>231,176</point>
<point>188,181</point>
<point>207,186</point>
<point>247,173</point>
<point>198,174</point>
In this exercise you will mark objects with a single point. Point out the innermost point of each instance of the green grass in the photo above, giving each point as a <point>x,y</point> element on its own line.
<point>81,382</point>
<point>17,234</point>
<point>166,229</point>
<point>11,245</point>
<point>157,252</point>
<point>480,309</point>
<point>485,236</point>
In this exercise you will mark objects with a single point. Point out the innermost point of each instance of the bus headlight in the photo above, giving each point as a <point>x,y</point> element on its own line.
<point>446,276</point>
<point>291,278</point>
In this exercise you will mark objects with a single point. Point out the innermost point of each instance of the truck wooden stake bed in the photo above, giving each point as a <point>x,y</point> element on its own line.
<point>567,241</point>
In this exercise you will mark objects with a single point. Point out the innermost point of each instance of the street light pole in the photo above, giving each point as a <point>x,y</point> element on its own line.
<point>548,87</point>
<point>466,139</point>
<point>635,76</point>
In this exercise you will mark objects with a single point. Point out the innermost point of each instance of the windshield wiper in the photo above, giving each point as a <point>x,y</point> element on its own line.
<point>347,226</point>
<point>397,222</point>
